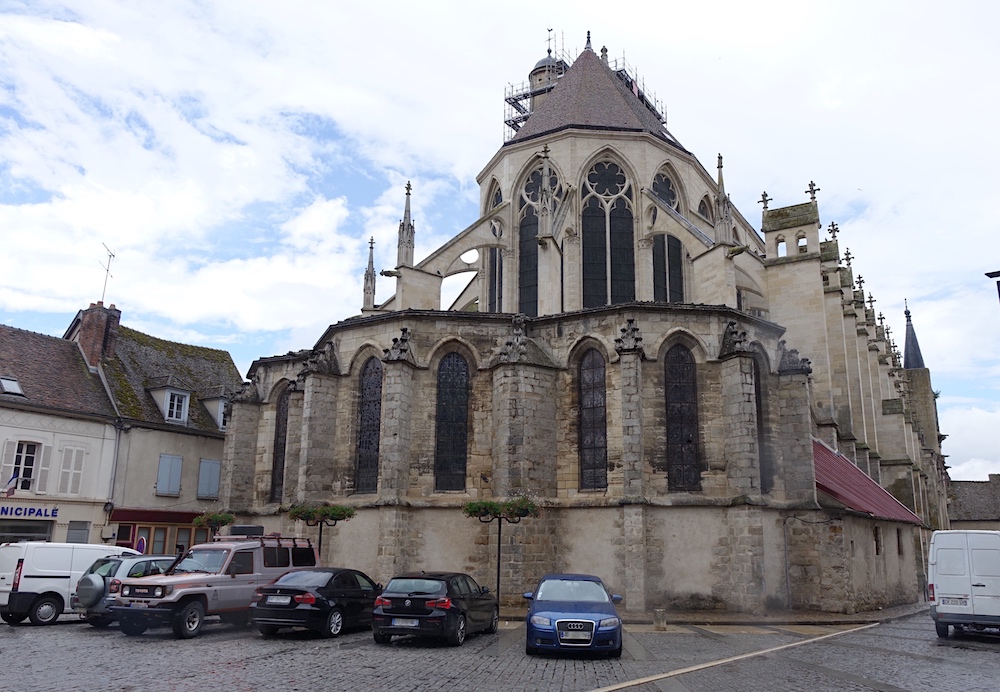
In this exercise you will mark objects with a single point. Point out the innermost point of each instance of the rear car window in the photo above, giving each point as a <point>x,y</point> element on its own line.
<point>415,586</point>
<point>105,567</point>
<point>303,557</point>
<point>304,578</point>
<point>276,557</point>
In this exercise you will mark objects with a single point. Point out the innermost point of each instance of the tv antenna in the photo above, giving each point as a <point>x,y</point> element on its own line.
<point>107,271</point>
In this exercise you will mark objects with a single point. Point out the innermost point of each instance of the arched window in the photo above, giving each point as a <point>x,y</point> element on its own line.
<point>682,456</point>
<point>593,422</point>
<point>664,188</point>
<point>369,427</point>
<point>608,247</point>
<point>763,453</point>
<point>495,197</point>
<point>705,208</point>
<point>534,195</point>
<point>280,440</point>
<point>452,421</point>
<point>668,274</point>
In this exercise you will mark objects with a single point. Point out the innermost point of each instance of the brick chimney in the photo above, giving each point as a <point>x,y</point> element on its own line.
<point>96,330</point>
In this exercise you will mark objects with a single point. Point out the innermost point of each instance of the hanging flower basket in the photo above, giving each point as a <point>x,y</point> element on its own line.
<point>314,514</point>
<point>214,520</point>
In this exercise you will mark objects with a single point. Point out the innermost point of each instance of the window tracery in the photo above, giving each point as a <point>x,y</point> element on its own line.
<point>593,422</point>
<point>607,236</point>
<point>369,427</point>
<point>452,420</point>
<point>541,188</point>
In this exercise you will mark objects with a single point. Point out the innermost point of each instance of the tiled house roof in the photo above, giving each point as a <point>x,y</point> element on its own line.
<point>838,478</point>
<point>142,363</point>
<point>590,96</point>
<point>975,500</point>
<point>52,374</point>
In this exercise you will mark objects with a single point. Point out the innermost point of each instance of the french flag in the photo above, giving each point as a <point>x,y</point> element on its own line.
<point>11,485</point>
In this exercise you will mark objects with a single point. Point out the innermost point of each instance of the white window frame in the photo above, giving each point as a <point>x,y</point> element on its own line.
<point>209,476</point>
<point>14,458</point>
<point>168,475</point>
<point>176,400</point>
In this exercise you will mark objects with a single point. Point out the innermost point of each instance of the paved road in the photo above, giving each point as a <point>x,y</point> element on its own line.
<point>900,655</point>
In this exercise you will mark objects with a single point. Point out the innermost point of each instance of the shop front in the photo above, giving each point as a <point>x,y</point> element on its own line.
<point>157,532</point>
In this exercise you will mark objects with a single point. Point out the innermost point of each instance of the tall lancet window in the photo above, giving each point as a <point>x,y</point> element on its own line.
<point>369,427</point>
<point>538,193</point>
<point>452,423</point>
<point>494,256</point>
<point>593,422</point>
<point>682,457</point>
<point>280,440</point>
<point>608,248</point>
<point>668,281</point>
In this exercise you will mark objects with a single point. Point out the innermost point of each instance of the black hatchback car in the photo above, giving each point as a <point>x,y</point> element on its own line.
<point>323,599</point>
<point>448,605</point>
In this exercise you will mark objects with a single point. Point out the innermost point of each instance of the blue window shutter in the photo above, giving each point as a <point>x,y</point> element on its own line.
<point>208,478</point>
<point>168,477</point>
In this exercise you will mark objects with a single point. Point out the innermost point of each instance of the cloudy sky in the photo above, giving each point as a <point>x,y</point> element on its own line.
<point>237,156</point>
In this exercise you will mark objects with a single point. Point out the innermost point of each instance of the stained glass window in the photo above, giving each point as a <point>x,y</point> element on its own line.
<point>369,427</point>
<point>593,422</point>
<point>682,456</point>
<point>452,420</point>
<point>280,438</point>
<point>608,237</point>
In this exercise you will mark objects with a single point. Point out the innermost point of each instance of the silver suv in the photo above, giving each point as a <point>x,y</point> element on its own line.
<point>217,578</point>
<point>99,585</point>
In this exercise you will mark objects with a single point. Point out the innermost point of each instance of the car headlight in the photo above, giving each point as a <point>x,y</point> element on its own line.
<point>158,592</point>
<point>540,621</point>
<point>610,622</point>
<point>126,590</point>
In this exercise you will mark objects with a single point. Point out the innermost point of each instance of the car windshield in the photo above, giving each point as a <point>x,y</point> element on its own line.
<point>415,586</point>
<point>210,561</point>
<point>105,567</point>
<point>571,590</point>
<point>305,578</point>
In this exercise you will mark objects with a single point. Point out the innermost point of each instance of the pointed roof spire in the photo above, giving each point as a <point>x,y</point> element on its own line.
<point>369,299</point>
<point>588,46</point>
<point>404,253</point>
<point>722,184</point>
<point>912,360</point>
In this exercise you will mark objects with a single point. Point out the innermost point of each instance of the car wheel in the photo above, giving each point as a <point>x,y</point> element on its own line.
<point>942,629</point>
<point>334,623</point>
<point>131,627</point>
<point>90,590</point>
<point>457,638</point>
<point>100,621</point>
<point>45,610</point>
<point>189,620</point>
<point>617,653</point>
<point>530,650</point>
<point>494,622</point>
<point>381,638</point>
<point>12,619</point>
<point>267,630</point>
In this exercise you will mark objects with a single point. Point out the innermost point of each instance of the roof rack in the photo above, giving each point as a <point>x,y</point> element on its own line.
<point>294,541</point>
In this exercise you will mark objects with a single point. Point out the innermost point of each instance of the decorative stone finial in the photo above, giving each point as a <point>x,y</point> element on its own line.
<point>812,191</point>
<point>764,199</point>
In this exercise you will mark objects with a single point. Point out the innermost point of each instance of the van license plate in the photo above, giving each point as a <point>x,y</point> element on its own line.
<point>405,622</point>
<point>279,600</point>
<point>138,605</point>
<point>955,601</point>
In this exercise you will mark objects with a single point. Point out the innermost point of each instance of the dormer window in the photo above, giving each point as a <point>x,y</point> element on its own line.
<point>8,385</point>
<point>177,407</point>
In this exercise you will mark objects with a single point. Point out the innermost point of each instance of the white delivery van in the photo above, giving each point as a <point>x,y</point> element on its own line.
<point>963,579</point>
<point>38,578</point>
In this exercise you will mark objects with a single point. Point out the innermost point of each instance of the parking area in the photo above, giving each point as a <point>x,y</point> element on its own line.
<point>900,655</point>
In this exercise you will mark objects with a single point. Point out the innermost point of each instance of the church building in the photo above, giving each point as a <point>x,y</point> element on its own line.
<point>708,416</point>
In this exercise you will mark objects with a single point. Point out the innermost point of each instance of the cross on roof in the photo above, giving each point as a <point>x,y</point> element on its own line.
<point>408,187</point>
<point>812,190</point>
<point>847,256</point>
<point>834,230</point>
<point>871,300</point>
<point>764,199</point>
<point>881,318</point>
<point>861,283</point>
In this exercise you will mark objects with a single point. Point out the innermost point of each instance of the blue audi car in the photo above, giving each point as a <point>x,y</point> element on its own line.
<point>573,612</point>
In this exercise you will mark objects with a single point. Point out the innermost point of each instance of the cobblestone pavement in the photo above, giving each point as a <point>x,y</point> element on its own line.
<point>902,654</point>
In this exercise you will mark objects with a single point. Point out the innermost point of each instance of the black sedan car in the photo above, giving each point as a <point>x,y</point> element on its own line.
<point>324,599</point>
<point>448,605</point>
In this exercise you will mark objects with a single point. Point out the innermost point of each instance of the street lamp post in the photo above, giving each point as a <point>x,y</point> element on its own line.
<point>500,511</point>
<point>500,519</point>
<point>321,522</point>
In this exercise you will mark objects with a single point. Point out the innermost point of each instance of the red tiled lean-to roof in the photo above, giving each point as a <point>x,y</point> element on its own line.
<point>837,477</point>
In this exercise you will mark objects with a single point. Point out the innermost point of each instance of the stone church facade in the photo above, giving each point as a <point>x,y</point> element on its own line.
<point>708,416</point>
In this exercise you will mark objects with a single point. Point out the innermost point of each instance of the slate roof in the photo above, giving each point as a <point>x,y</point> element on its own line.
<point>144,362</point>
<point>912,358</point>
<point>52,373</point>
<point>837,477</point>
<point>975,500</point>
<point>590,96</point>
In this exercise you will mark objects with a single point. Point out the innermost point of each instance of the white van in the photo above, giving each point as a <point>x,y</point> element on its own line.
<point>38,578</point>
<point>963,579</point>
